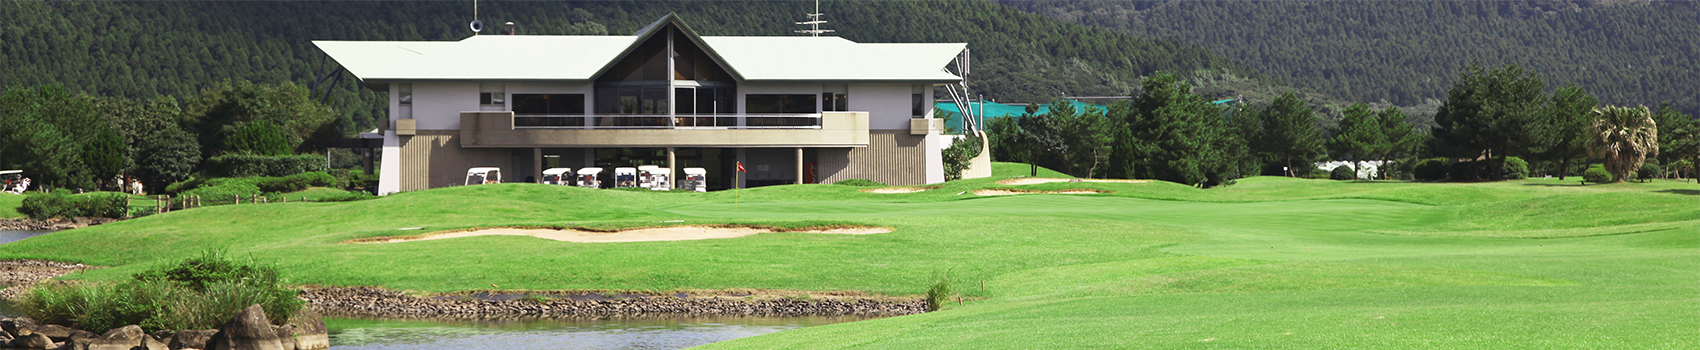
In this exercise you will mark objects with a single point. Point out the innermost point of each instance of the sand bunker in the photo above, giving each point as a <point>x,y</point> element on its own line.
<point>670,233</point>
<point>893,190</point>
<point>1006,191</point>
<point>1042,180</point>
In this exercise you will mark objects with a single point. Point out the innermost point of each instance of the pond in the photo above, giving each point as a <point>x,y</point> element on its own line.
<point>14,236</point>
<point>649,333</point>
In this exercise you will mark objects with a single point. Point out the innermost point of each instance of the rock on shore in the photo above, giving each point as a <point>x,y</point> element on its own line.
<point>18,275</point>
<point>51,224</point>
<point>375,302</point>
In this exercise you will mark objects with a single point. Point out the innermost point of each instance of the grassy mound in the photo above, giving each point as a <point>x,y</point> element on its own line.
<point>1268,263</point>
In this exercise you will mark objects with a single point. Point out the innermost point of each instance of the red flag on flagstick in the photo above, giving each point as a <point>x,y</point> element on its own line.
<point>741,167</point>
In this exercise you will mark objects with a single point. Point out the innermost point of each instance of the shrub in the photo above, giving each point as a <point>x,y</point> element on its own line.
<point>1596,173</point>
<point>349,196</point>
<point>62,204</point>
<point>938,295</point>
<point>1648,171</point>
<point>859,182</point>
<point>197,293</point>
<point>1516,168</point>
<point>959,155</point>
<point>247,165</point>
<point>1343,173</point>
<point>1432,169</point>
<point>1461,171</point>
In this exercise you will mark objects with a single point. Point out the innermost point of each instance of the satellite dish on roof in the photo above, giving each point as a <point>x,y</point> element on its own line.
<point>477,26</point>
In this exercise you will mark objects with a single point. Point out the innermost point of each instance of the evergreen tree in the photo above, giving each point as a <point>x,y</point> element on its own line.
<point>1175,135</point>
<point>1356,136</point>
<point>1562,126</point>
<point>1290,135</point>
<point>1399,139</point>
<point>1487,115</point>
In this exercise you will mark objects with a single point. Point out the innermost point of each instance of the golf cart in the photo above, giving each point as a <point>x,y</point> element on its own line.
<point>643,175</point>
<point>625,177</point>
<point>657,178</point>
<point>481,176</point>
<point>557,176</point>
<point>14,181</point>
<point>696,179</point>
<point>587,177</point>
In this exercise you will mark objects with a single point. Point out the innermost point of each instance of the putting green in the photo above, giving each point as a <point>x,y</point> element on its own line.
<point>1266,263</point>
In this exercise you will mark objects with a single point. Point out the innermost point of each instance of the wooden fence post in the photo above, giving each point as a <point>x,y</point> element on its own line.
<point>238,198</point>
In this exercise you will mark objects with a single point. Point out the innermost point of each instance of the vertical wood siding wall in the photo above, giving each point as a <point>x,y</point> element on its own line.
<point>435,159</point>
<point>892,157</point>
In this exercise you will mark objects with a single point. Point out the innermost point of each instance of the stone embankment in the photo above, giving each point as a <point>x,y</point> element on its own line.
<point>248,330</point>
<point>51,224</point>
<point>20,274</point>
<point>374,302</point>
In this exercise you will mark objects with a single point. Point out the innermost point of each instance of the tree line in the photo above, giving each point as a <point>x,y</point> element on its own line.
<point>1626,52</point>
<point>83,141</point>
<point>1491,117</point>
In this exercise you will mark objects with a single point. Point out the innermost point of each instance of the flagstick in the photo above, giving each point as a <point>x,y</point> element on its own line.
<point>737,188</point>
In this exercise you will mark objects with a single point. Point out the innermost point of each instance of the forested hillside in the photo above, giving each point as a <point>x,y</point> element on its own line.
<point>1625,52</point>
<point>146,49</point>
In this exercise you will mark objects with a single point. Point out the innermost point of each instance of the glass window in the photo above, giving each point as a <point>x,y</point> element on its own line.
<point>406,93</point>
<point>783,104</point>
<point>548,103</point>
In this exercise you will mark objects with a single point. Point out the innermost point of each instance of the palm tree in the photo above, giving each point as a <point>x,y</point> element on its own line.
<point>1624,137</point>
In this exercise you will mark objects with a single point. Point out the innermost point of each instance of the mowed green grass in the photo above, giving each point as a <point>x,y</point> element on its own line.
<point>1265,263</point>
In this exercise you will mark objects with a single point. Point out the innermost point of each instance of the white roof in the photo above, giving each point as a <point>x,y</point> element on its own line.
<point>582,57</point>
<point>482,170</point>
<point>4,172</point>
<point>589,171</point>
<point>695,171</point>
<point>556,171</point>
<point>625,170</point>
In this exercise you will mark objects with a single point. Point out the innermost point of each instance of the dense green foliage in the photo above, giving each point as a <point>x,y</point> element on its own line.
<point>1487,114</point>
<point>1288,134</point>
<point>1627,52</point>
<point>246,165</point>
<point>225,188</point>
<point>1432,169</point>
<point>1516,168</point>
<point>146,49</point>
<point>957,157</point>
<point>60,139</point>
<point>200,292</point>
<point>61,203</point>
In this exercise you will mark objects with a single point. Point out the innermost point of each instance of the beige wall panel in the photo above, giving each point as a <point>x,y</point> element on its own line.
<point>892,157</point>
<point>435,159</point>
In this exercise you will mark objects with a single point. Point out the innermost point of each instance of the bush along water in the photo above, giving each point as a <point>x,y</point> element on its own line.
<point>938,295</point>
<point>1597,174</point>
<point>201,292</point>
<point>62,204</point>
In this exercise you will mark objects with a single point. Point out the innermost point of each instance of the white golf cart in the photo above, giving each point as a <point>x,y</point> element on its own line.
<point>643,176</point>
<point>482,176</point>
<point>696,179</point>
<point>14,181</point>
<point>625,177</point>
<point>657,177</point>
<point>557,176</point>
<point>587,177</point>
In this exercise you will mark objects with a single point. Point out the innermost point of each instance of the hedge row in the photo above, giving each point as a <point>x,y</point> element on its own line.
<point>62,204</point>
<point>247,165</point>
<point>248,186</point>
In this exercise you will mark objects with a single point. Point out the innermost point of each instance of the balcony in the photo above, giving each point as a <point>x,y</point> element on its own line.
<point>506,130</point>
<point>638,121</point>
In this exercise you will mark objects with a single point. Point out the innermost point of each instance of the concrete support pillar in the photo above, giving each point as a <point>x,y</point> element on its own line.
<point>590,158</point>
<point>672,167</point>
<point>799,165</point>
<point>537,165</point>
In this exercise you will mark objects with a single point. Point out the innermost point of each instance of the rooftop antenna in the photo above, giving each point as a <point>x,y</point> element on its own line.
<point>477,25</point>
<point>814,22</point>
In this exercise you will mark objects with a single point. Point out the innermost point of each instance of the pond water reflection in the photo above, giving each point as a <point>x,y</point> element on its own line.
<point>14,236</point>
<point>649,333</point>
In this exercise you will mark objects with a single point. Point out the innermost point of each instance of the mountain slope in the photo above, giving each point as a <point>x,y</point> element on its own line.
<point>1641,52</point>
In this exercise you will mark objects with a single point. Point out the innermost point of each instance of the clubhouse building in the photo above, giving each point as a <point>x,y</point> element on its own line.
<point>791,109</point>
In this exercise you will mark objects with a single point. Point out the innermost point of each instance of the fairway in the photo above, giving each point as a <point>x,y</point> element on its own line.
<point>1266,263</point>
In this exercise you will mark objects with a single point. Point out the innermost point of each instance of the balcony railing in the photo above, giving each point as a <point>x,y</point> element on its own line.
<point>640,121</point>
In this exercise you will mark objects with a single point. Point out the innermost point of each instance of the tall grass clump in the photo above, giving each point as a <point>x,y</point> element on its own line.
<point>200,292</point>
<point>938,295</point>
